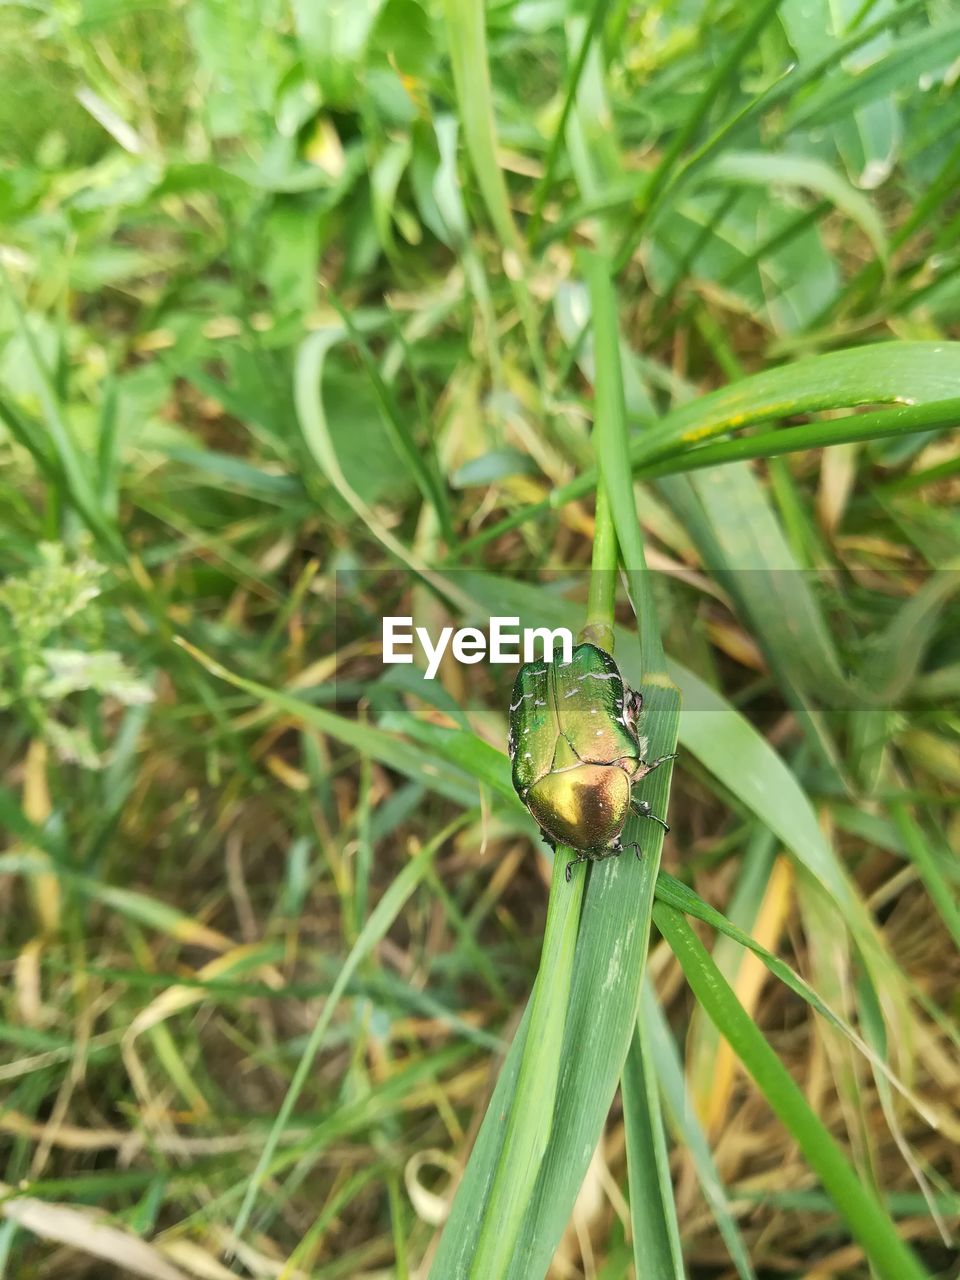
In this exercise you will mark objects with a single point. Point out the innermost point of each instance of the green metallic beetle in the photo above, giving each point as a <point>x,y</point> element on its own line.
<point>577,751</point>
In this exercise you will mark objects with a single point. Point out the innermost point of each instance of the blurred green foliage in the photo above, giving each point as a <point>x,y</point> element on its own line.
<point>294,331</point>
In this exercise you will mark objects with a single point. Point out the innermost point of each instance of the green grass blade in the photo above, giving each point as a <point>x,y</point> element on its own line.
<point>611,443</point>
<point>609,962</point>
<point>745,763</point>
<point>460,1234</point>
<point>676,894</point>
<point>904,373</point>
<point>467,34</point>
<point>653,1213</point>
<point>899,652</point>
<point>765,169</point>
<point>77,478</point>
<point>755,870</point>
<point>466,28</point>
<point>655,1031</point>
<point>915,842</point>
<point>30,435</point>
<point>865,1216</point>
<point>909,58</point>
<point>741,539</point>
<point>721,79</point>
<point>388,748</point>
<point>940,415</point>
<point>376,926</point>
<point>529,1123</point>
<point>610,959</point>
<point>656,1234</point>
<point>885,373</point>
<point>542,190</point>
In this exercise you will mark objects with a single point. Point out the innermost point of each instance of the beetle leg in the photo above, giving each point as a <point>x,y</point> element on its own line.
<point>618,847</point>
<point>643,768</point>
<point>612,850</point>
<point>642,809</point>
<point>632,706</point>
<point>581,857</point>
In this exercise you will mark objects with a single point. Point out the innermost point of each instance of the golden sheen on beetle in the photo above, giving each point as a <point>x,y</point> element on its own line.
<point>577,752</point>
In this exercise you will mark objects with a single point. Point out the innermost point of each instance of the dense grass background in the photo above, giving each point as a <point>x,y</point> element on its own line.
<point>310,313</point>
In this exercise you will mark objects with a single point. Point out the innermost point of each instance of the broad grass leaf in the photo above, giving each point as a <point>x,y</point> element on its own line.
<point>765,169</point>
<point>885,373</point>
<point>600,1024</point>
<point>925,52</point>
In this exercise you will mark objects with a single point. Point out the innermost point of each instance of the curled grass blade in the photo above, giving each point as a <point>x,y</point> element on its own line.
<point>864,1215</point>
<point>766,169</point>
<point>676,894</point>
<point>308,379</point>
<point>421,461</point>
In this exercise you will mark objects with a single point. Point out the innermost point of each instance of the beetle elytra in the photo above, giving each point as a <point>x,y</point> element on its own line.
<point>577,752</point>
